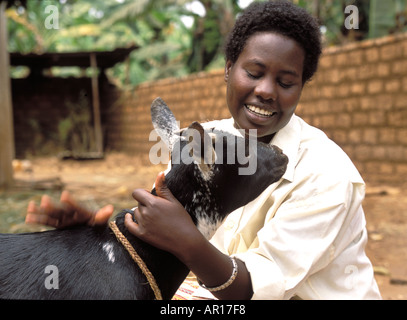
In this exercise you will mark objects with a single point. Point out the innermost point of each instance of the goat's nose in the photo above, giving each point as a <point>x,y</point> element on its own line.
<point>278,150</point>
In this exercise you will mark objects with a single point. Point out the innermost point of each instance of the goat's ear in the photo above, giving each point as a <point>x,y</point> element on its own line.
<point>164,122</point>
<point>203,152</point>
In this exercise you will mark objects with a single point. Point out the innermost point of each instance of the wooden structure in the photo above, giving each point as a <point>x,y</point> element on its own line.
<point>6,118</point>
<point>98,61</point>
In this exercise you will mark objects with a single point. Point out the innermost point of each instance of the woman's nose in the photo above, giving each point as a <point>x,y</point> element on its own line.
<point>266,90</point>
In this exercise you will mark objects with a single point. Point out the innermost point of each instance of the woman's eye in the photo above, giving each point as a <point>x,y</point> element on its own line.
<point>253,75</point>
<point>285,85</point>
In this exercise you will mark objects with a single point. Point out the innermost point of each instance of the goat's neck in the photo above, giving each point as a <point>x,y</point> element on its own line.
<point>168,271</point>
<point>200,202</point>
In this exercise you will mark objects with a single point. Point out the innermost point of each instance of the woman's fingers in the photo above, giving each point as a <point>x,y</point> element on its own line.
<point>132,226</point>
<point>45,214</point>
<point>65,213</point>
<point>102,216</point>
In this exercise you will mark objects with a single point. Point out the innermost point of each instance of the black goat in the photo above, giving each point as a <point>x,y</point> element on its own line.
<point>89,263</point>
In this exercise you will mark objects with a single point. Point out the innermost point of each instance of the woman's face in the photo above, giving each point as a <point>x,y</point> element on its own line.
<point>264,84</point>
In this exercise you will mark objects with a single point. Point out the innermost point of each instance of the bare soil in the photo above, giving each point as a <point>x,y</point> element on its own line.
<point>111,180</point>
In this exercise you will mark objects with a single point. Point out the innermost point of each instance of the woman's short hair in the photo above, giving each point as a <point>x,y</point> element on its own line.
<point>281,17</point>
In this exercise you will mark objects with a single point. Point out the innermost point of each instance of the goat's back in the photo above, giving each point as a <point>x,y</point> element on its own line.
<point>87,263</point>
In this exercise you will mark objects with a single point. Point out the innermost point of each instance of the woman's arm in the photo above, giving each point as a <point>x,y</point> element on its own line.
<point>163,222</point>
<point>213,269</point>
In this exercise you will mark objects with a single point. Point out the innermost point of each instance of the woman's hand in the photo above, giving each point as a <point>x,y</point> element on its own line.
<point>162,221</point>
<point>66,213</point>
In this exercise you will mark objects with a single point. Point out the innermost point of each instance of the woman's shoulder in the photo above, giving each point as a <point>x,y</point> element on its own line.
<point>321,154</point>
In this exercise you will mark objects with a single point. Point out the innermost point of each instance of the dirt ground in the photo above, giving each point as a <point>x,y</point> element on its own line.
<point>99,182</point>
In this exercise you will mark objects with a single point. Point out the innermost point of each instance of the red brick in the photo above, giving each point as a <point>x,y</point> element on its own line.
<point>375,86</point>
<point>355,136</point>
<point>326,61</point>
<point>386,168</point>
<point>392,86</point>
<point>355,57</point>
<point>363,153</point>
<point>328,121</point>
<point>360,118</point>
<point>383,69</point>
<point>370,136</point>
<point>399,101</point>
<point>402,136</point>
<point>377,117</point>
<point>343,120</point>
<point>392,51</point>
<point>343,90</point>
<point>387,135</point>
<point>399,67</point>
<point>372,54</point>
<point>395,153</point>
<point>340,136</point>
<point>398,118</point>
<point>341,59</point>
<point>358,88</point>
<point>401,168</point>
<point>379,153</point>
<point>366,71</point>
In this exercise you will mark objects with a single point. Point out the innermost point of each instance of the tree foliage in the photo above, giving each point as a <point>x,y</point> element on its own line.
<point>169,46</point>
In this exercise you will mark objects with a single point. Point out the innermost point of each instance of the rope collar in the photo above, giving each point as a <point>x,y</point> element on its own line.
<point>137,259</point>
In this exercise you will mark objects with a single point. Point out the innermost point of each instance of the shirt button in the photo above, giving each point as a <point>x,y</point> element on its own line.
<point>229,224</point>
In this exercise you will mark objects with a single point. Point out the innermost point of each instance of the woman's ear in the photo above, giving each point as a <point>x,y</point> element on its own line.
<point>228,66</point>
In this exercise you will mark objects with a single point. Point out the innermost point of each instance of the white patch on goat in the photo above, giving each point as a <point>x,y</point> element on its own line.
<point>203,206</point>
<point>206,171</point>
<point>196,196</point>
<point>108,249</point>
<point>207,227</point>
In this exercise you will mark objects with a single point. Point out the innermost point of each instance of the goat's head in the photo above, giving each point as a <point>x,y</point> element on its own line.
<point>214,172</point>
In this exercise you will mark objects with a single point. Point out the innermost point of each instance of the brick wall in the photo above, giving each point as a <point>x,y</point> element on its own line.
<point>199,97</point>
<point>358,97</point>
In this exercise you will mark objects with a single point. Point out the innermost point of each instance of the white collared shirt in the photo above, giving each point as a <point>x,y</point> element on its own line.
<point>304,236</point>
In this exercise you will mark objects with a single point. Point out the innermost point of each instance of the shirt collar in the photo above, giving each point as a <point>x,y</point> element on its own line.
<point>288,139</point>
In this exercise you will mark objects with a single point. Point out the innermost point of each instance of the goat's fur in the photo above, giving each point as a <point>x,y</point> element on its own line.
<point>93,265</point>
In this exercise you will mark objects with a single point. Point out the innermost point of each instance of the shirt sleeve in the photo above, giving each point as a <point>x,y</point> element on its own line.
<point>309,229</point>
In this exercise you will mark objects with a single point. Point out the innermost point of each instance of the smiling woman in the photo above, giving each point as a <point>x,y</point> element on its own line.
<point>296,235</point>
<point>264,84</point>
<point>298,238</point>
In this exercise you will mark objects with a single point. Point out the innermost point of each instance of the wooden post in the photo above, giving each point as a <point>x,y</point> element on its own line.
<point>6,112</point>
<point>96,105</point>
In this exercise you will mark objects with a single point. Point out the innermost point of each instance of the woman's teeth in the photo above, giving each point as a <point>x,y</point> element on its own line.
<point>259,111</point>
